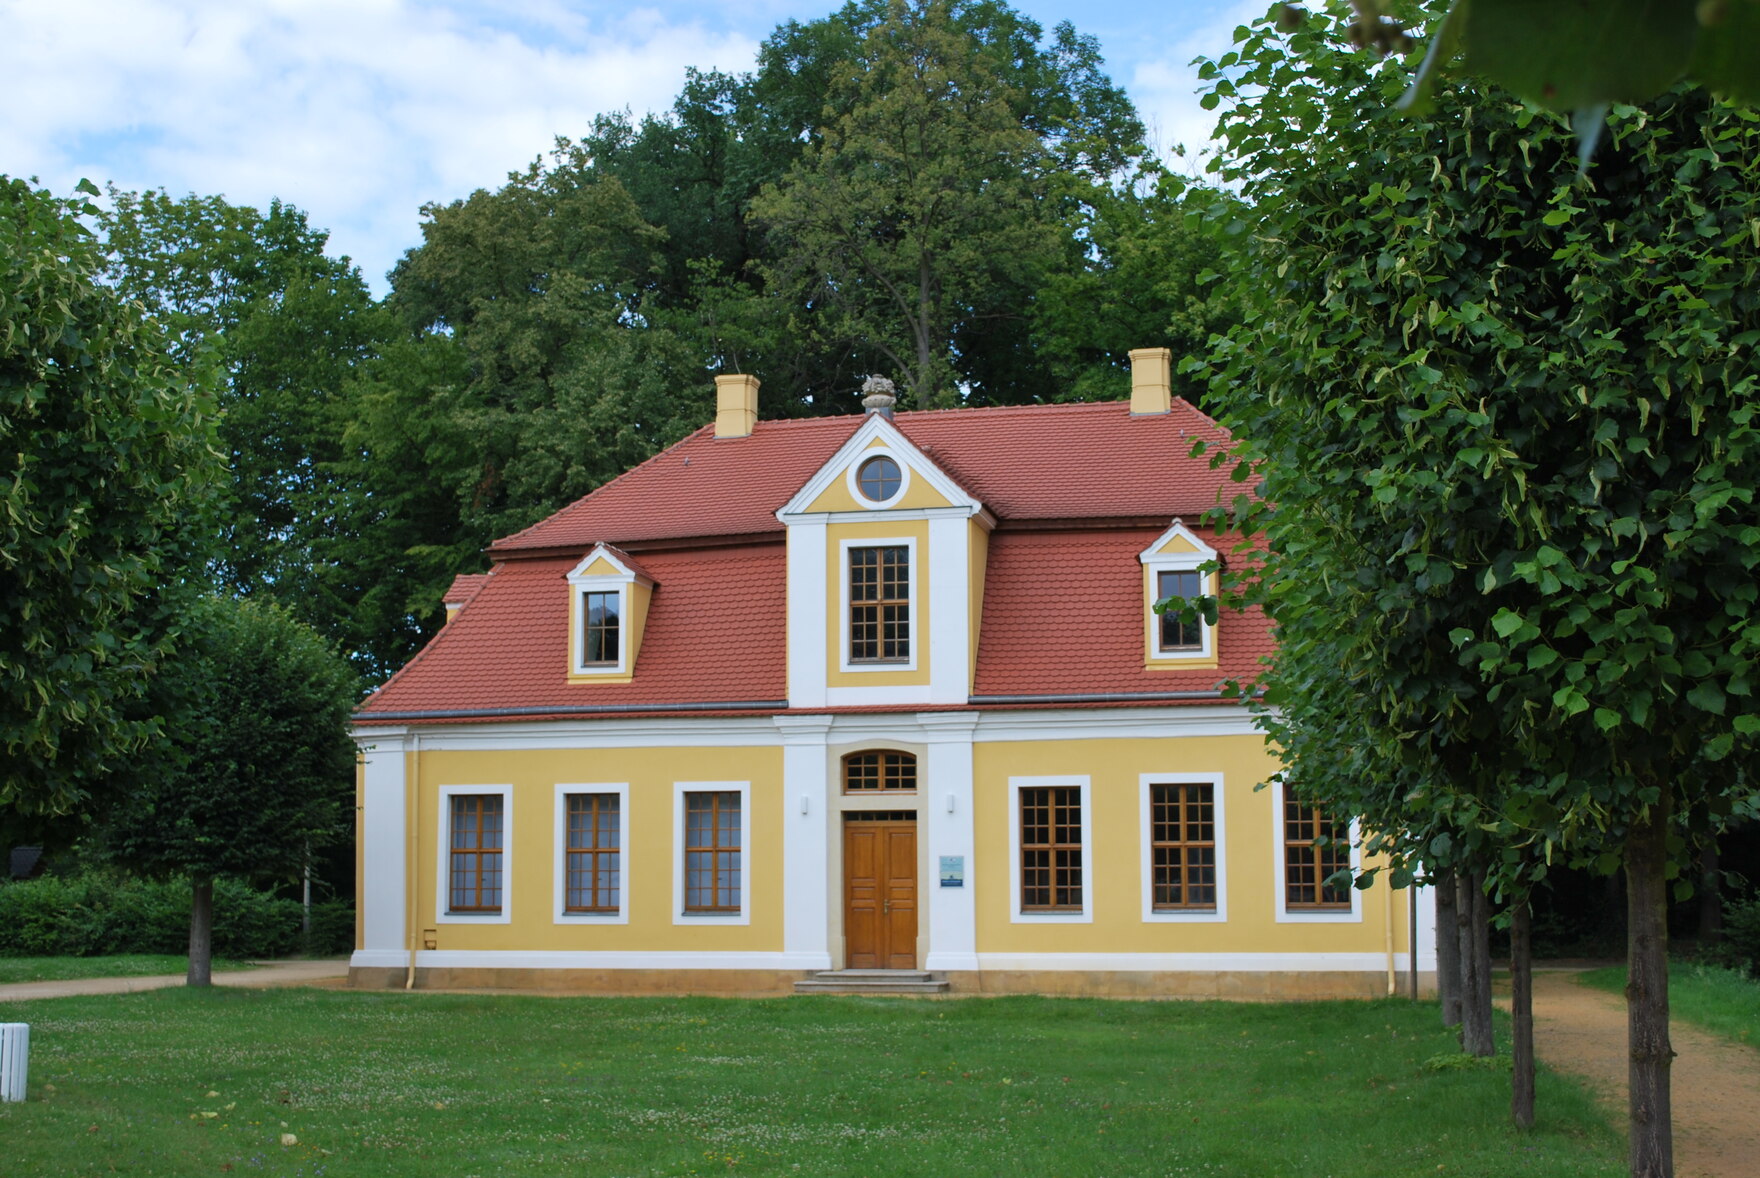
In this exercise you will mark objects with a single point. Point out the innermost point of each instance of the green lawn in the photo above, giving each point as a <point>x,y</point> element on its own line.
<point>125,965</point>
<point>386,1084</point>
<point>1723,1001</point>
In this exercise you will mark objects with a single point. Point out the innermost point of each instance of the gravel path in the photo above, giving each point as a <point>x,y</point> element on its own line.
<point>278,973</point>
<point>1715,1083</point>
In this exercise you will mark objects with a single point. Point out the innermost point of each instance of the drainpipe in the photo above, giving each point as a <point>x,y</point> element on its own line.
<point>1392,974</point>
<point>412,803</point>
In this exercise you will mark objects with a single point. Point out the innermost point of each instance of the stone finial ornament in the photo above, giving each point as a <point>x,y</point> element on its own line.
<point>877,395</point>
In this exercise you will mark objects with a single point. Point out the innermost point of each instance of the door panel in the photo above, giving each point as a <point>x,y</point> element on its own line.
<point>880,895</point>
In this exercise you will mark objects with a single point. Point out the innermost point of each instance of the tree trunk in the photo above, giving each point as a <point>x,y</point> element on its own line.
<point>1472,919</point>
<point>1710,901</point>
<point>1521,973</point>
<point>201,930</point>
<point>1448,951</point>
<point>1652,1130</point>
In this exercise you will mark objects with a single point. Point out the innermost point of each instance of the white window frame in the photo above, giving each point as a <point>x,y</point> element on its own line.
<point>1284,916</point>
<point>563,791</point>
<point>1145,839</point>
<point>855,487</point>
<point>1015,786</point>
<point>916,589</point>
<point>443,872</point>
<point>1156,562</point>
<point>679,790</point>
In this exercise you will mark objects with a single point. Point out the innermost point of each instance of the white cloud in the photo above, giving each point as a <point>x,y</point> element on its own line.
<point>358,111</point>
<point>1166,87</point>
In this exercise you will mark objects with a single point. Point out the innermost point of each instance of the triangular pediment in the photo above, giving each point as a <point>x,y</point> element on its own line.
<point>1177,545</point>
<point>605,563</point>
<point>921,485</point>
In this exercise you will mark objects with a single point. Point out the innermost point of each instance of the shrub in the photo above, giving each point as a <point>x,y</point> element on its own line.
<point>99,913</point>
<point>1741,933</point>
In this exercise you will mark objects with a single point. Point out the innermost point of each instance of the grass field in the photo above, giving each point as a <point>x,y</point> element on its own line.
<point>127,965</point>
<point>1723,1001</point>
<point>387,1084</point>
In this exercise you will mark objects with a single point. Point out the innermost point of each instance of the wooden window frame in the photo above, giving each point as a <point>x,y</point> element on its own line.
<point>860,614</point>
<point>444,826</point>
<point>1172,824</point>
<point>590,861</point>
<point>1189,635</point>
<point>684,910</point>
<point>1021,851</point>
<point>890,766</point>
<point>614,629</point>
<point>561,912</point>
<point>1306,823</point>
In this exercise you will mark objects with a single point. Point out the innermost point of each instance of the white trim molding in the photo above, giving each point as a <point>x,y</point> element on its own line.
<point>879,428</point>
<point>585,959</point>
<point>1015,915</point>
<point>883,450</point>
<point>443,857</point>
<point>559,869</point>
<point>679,790</point>
<point>1145,844</point>
<point>1282,913</point>
<point>914,638</point>
<point>1189,962</point>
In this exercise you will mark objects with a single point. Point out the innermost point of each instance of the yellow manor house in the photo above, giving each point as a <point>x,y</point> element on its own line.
<point>849,703</point>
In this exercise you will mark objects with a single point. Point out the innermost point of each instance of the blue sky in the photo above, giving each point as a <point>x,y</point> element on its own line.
<point>361,111</point>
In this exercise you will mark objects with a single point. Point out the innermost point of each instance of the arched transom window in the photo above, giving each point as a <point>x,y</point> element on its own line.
<point>879,771</point>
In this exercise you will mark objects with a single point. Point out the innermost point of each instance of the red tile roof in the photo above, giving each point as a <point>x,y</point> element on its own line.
<point>1082,461</point>
<point>1062,604</point>
<point>702,644</point>
<point>1063,615</point>
<point>464,587</point>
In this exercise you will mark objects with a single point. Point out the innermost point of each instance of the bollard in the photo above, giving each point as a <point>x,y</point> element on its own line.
<point>15,1058</point>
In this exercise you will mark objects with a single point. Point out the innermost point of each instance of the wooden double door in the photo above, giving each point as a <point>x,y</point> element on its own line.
<point>880,890</point>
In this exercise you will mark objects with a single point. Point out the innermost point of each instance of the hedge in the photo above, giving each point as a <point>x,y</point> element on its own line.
<point>97,914</point>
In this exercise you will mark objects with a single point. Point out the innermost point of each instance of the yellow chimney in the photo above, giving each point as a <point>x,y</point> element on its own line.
<point>736,406</point>
<point>1151,381</point>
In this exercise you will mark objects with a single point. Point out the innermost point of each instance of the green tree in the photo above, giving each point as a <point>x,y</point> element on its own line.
<point>1504,421</point>
<point>106,460</point>
<point>256,772</point>
<point>923,197</point>
<point>288,325</point>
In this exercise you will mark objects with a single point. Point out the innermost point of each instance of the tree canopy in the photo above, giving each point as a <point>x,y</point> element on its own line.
<point>1503,416</point>
<point>255,773</point>
<point>106,462</point>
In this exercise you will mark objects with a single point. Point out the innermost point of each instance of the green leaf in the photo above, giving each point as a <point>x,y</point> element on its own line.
<point>1708,697</point>
<point>1506,622</point>
<point>1726,57</point>
<point>1571,55</point>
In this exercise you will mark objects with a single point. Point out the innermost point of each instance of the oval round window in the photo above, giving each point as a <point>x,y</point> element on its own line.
<point>878,478</point>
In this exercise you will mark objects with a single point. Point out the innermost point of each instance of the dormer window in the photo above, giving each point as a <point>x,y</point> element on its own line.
<point>608,605</point>
<point>1177,568</point>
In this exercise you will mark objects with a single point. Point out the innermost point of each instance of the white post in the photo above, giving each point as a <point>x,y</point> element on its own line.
<point>15,1058</point>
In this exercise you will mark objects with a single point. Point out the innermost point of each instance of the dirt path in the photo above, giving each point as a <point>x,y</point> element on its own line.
<point>1716,1083</point>
<point>280,973</point>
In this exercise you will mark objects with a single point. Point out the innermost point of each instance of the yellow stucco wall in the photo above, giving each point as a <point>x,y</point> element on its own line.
<point>650,861</point>
<point>1113,867</point>
<point>837,496</point>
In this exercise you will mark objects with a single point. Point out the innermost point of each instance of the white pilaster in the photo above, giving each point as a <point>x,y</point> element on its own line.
<point>807,619</point>
<point>806,822</point>
<point>946,816</point>
<point>383,843</point>
<point>949,648</point>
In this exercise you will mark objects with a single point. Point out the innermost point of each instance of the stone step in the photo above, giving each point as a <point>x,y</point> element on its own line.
<point>872,981</point>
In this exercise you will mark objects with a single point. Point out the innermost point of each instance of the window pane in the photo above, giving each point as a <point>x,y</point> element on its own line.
<point>1051,848</point>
